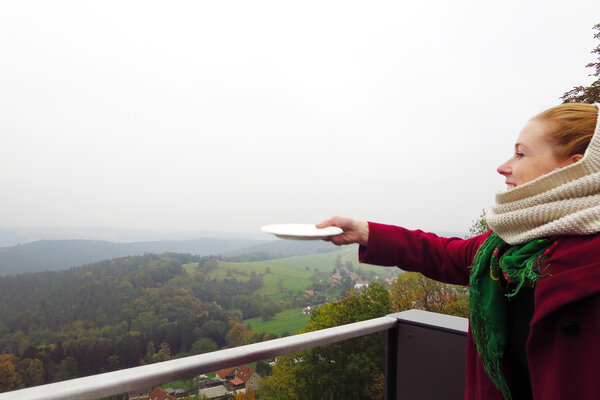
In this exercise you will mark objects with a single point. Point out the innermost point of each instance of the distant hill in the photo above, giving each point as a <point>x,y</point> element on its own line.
<point>54,255</point>
<point>12,236</point>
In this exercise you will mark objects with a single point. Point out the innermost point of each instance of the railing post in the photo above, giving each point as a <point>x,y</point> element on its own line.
<point>430,355</point>
<point>391,364</point>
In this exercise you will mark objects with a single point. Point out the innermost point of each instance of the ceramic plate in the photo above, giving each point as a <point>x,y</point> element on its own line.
<point>301,231</point>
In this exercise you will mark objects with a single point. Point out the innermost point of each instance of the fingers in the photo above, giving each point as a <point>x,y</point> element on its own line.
<point>328,222</point>
<point>340,222</point>
<point>337,239</point>
<point>340,240</point>
<point>323,224</point>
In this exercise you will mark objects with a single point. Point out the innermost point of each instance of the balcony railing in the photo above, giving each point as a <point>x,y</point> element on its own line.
<point>425,360</point>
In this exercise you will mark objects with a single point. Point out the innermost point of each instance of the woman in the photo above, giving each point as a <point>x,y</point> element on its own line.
<point>534,277</point>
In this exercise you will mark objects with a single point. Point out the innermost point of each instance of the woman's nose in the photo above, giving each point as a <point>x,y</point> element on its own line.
<point>504,169</point>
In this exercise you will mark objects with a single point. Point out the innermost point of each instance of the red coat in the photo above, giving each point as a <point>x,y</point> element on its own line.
<point>563,349</point>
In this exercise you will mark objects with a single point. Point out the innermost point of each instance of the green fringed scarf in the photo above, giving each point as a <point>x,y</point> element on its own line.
<point>497,262</point>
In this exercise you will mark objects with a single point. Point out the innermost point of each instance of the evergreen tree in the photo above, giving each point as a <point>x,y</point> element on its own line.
<point>587,94</point>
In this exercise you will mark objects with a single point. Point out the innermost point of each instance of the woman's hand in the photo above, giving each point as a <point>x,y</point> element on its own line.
<point>354,231</point>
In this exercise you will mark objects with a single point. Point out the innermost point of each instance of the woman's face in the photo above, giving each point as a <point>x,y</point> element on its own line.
<point>533,155</point>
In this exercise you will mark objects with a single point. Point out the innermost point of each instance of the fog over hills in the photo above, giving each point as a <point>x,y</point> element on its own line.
<point>61,248</point>
<point>52,255</point>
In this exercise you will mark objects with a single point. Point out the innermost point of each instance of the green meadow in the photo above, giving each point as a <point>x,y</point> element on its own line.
<point>289,274</point>
<point>290,321</point>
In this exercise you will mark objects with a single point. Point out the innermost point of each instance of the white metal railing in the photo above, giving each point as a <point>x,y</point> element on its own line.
<point>140,379</point>
<point>144,377</point>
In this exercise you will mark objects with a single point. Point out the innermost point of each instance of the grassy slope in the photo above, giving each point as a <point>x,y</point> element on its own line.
<point>290,321</point>
<point>294,273</point>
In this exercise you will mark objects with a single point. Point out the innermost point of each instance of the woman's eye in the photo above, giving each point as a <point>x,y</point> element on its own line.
<point>519,155</point>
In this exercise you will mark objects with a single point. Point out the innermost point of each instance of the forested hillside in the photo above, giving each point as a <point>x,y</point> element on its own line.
<point>129,311</point>
<point>114,314</point>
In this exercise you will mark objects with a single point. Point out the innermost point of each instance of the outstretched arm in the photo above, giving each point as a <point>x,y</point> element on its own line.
<point>439,258</point>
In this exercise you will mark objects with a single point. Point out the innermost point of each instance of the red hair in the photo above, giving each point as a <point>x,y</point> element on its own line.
<point>574,127</point>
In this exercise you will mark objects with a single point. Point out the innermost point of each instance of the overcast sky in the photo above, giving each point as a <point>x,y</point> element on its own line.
<point>228,115</point>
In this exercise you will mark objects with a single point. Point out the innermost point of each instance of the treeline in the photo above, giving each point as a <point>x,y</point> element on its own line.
<point>117,314</point>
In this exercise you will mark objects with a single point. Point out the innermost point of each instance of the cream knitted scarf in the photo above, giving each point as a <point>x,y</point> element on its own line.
<point>565,201</point>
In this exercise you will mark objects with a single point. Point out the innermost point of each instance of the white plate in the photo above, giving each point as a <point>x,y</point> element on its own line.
<point>301,231</point>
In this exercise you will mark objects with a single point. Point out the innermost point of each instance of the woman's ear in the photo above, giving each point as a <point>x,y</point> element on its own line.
<point>576,157</point>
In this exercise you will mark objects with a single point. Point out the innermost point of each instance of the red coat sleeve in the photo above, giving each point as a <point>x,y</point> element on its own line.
<point>439,258</point>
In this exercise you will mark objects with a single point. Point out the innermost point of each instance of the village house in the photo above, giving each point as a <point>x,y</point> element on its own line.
<point>215,393</point>
<point>239,378</point>
<point>249,376</point>
<point>309,292</point>
<point>211,382</point>
<point>361,284</point>
<point>226,373</point>
<point>176,391</point>
<point>160,394</point>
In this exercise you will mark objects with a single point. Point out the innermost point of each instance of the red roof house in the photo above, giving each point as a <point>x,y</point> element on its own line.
<point>226,373</point>
<point>240,377</point>
<point>159,394</point>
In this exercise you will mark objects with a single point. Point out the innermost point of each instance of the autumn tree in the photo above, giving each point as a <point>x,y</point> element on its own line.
<point>238,334</point>
<point>31,371</point>
<point>352,369</point>
<point>479,226</point>
<point>249,395</point>
<point>411,290</point>
<point>587,94</point>
<point>10,379</point>
<point>163,354</point>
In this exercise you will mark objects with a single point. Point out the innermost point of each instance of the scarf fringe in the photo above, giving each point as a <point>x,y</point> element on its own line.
<point>488,350</point>
<point>487,307</point>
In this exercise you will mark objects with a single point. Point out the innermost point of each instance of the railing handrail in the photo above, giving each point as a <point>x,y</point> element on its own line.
<point>142,378</point>
<point>431,320</point>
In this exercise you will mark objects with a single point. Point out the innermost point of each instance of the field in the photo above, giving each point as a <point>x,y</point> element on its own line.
<point>290,321</point>
<point>289,274</point>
